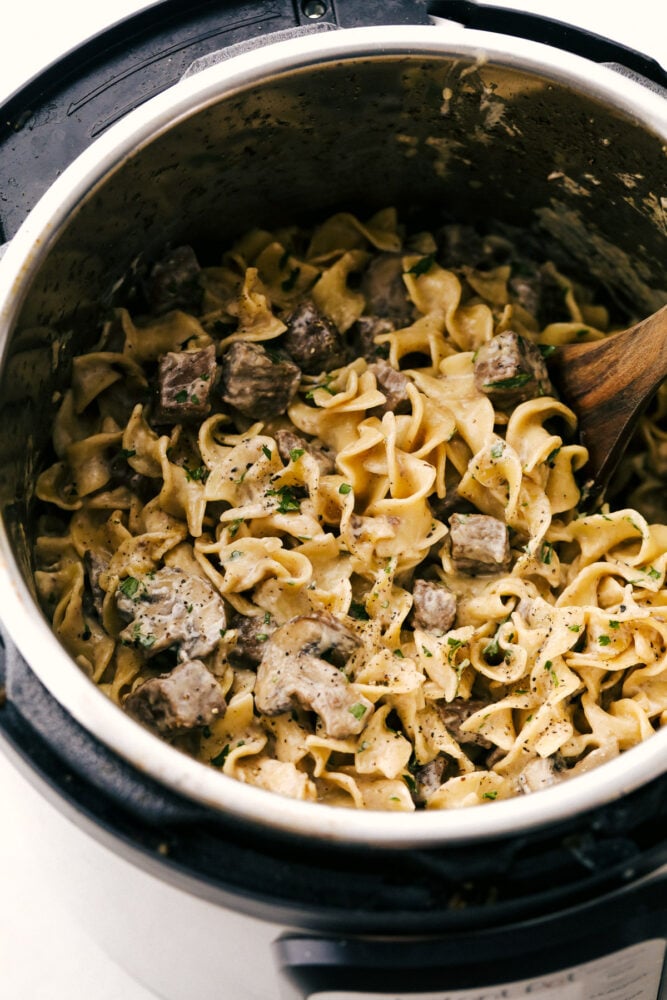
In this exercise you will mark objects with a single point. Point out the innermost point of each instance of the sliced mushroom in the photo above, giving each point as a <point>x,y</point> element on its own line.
<point>293,671</point>
<point>168,608</point>
<point>174,703</point>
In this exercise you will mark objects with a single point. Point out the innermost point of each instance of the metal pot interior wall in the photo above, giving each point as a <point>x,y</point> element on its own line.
<point>443,139</point>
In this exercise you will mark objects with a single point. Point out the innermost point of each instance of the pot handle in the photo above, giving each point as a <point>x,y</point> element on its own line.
<point>549,31</point>
<point>613,943</point>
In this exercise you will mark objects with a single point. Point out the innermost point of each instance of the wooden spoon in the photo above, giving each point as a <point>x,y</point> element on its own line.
<point>608,383</point>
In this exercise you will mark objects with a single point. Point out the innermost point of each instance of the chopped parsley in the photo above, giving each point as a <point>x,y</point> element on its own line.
<point>261,637</point>
<point>267,452</point>
<point>359,612</point>
<point>399,653</point>
<point>551,457</point>
<point>546,552</point>
<point>198,475</point>
<point>422,266</point>
<point>219,759</point>
<point>548,666</point>
<point>182,396</point>
<point>145,641</point>
<point>426,652</point>
<point>357,710</point>
<point>604,640</point>
<point>344,488</point>
<point>614,624</point>
<point>287,501</point>
<point>296,453</point>
<point>514,382</point>
<point>490,795</point>
<point>127,453</point>
<point>129,586</point>
<point>498,449</point>
<point>574,628</point>
<point>326,385</point>
<point>234,526</point>
<point>546,350</point>
<point>653,573</point>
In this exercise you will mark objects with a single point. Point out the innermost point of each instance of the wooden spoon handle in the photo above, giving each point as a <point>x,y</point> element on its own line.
<point>608,383</point>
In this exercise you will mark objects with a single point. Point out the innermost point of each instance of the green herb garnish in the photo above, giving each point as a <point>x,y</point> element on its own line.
<point>182,396</point>
<point>219,759</point>
<point>344,488</point>
<point>357,710</point>
<point>129,586</point>
<point>422,266</point>
<point>514,382</point>
<point>287,501</point>
<point>359,612</point>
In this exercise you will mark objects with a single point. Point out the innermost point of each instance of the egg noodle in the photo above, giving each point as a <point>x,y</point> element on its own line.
<point>554,662</point>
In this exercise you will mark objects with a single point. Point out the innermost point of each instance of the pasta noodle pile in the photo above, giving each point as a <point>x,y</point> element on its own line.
<point>327,532</point>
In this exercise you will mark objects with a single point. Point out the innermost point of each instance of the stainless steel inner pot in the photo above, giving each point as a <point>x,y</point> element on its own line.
<point>442,123</point>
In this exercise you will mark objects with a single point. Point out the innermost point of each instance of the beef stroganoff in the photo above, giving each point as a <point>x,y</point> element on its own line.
<point>314,518</point>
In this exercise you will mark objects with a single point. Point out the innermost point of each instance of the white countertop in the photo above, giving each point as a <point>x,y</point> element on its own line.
<point>44,955</point>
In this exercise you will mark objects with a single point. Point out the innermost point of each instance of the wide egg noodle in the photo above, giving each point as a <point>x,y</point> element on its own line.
<point>554,663</point>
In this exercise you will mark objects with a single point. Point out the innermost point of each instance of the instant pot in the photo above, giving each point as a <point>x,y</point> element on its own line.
<point>198,124</point>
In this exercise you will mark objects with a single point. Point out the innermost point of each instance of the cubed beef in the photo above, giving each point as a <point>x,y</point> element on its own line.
<point>313,340</point>
<point>173,282</point>
<point>433,606</point>
<point>185,381</point>
<point>289,443</point>
<point>510,369</point>
<point>363,335</point>
<point>429,777</point>
<point>394,385</point>
<point>174,703</point>
<point>455,713</point>
<point>539,291</point>
<point>384,289</point>
<point>258,384</point>
<point>252,634</point>
<point>95,565</point>
<point>480,543</point>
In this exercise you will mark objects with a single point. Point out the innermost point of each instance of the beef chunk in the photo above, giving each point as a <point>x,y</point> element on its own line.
<point>168,608</point>
<point>313,340</point>
<point>384,289</point>
<point>455,713</point>
<point>252,634</point>
<point>258,384</point>
<point>394,385</point>
<point>185,380</point>
<point>95,565</point>
<point>480,543</point>
<point>293,671</point>
<point>433,606</point>
<point>174,703</point>
<point>539,291</point>
<point>510,369</point>
<point>288,442</point>
<point>173,282</point>
<point>429,777</point>
<point>364,332</point>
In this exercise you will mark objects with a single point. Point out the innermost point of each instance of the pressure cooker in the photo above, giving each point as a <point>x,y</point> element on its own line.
<point>179,124</point>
